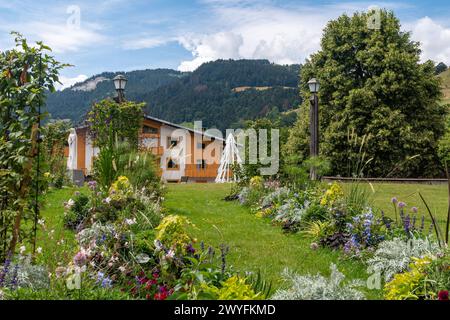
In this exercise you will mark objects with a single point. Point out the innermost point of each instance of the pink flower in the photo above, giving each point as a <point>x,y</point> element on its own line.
<point>80,259</point>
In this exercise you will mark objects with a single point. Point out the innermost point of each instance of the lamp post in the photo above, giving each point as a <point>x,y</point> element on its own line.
<point>314,87</point>
<point>120,82</point>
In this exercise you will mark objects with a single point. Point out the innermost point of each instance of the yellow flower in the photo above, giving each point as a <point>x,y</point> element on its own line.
<point>47,174</point>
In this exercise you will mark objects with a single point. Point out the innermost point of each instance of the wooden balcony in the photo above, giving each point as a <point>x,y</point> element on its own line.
<point>193,171</point>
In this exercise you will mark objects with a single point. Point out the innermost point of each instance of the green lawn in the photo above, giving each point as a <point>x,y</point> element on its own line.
<point>254,243</point>
<point>436,197</point>
<point>57,243</point>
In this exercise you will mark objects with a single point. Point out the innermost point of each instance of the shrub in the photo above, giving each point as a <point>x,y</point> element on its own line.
<point>318,287</point>
<point>250,196</point>
<point>276,197</point>
<point>394,256</point>
<point>233,288</point>
<point>77,211</point>
<point>290,214</point>
<point>333,194</point>
<point>172,233</point>
<point>23,274</point>
<point>409,285</point>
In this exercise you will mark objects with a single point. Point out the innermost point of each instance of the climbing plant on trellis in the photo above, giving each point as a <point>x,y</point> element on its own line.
<point>26,74</point>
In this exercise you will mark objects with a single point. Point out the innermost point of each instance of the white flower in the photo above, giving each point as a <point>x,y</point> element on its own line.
<point>69,204</point>
<point>39,250</point>
<point>170,254</point>
<point>130,221</point>
<point>158,245</point>
<point>108,200</point>
<point>122,269</point>
<point>22,249</point>
<point>41,222</point>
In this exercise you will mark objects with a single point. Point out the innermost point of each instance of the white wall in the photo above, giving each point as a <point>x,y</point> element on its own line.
<point>91,152</point>
<point>178,154</point>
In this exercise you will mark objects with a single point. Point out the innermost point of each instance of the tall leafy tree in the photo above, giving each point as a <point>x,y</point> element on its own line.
<point>373,88</point>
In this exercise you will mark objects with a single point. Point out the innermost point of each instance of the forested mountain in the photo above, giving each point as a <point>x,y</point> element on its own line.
<point>221,94</point>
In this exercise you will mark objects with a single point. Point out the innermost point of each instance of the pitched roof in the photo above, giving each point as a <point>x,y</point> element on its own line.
<point>84,126</point>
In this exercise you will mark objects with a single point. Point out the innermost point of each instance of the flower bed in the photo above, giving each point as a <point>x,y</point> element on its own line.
<point>345,221</point>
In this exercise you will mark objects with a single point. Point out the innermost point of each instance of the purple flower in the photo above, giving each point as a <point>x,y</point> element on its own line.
<point>414,209</point>
<point>80,259</point>
<point>401,205</point>
<point>190,248</point>
<point>92,185</point>
<point>394,200</point>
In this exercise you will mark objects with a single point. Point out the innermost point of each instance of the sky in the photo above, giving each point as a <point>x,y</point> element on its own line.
<point>125,35</point>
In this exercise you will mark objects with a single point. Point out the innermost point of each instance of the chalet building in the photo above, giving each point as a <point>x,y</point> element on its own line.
<point>183,154</point>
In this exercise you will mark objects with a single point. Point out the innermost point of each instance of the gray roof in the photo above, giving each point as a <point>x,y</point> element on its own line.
<point>172,125</point>
<point>183,127</point>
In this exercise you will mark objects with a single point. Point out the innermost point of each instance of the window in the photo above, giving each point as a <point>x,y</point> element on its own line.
<point>201,164</point>
<point>171,142</point>
<point>172,164</point>
<point>149,130</point>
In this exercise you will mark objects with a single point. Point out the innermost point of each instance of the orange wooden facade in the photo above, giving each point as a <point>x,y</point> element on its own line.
<point>198,167</point>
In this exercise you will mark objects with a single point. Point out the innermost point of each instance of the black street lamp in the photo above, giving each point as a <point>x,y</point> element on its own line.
<point>314,87</point>
<point>120,82</point>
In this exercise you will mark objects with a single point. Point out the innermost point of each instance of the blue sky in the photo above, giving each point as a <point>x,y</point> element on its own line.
<point>121,35</point>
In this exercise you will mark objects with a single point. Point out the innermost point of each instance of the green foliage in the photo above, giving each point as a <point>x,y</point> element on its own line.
<point>207,93</point>
<point>172,232</point>
<point>26,74</point>
<point>54,140</point>
<point>409,285</point>
<point>233,288</point>
<point>373,83</point>
<point>121,159</point>
<point>77,211</point>
<point>109,120</point>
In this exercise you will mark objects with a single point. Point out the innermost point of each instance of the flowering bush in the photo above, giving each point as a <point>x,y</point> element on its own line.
<point>318,287</point>
<point>121,189</point>
<point>333,194</point>
<point>172,233</point>
<point>365,231</point>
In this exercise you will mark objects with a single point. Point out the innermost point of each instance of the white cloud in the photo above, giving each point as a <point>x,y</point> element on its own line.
<point>65,38</point>
<point>281,35</point>
<point>286,35</point>
<point>144,43</point>
<point>206,48</point>
<point>434,39</point>
<point>67,82</point>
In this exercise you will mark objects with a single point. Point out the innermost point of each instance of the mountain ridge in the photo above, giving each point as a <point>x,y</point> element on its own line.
<point>205,94</point>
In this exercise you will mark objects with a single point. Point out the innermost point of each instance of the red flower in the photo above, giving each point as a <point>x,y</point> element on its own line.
<point>148,297</point>
<point>160,296</point>
<point>443,295</point>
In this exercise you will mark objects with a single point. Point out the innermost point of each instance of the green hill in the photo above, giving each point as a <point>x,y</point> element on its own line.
<point>213,93</point>
<point>446,85</point>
